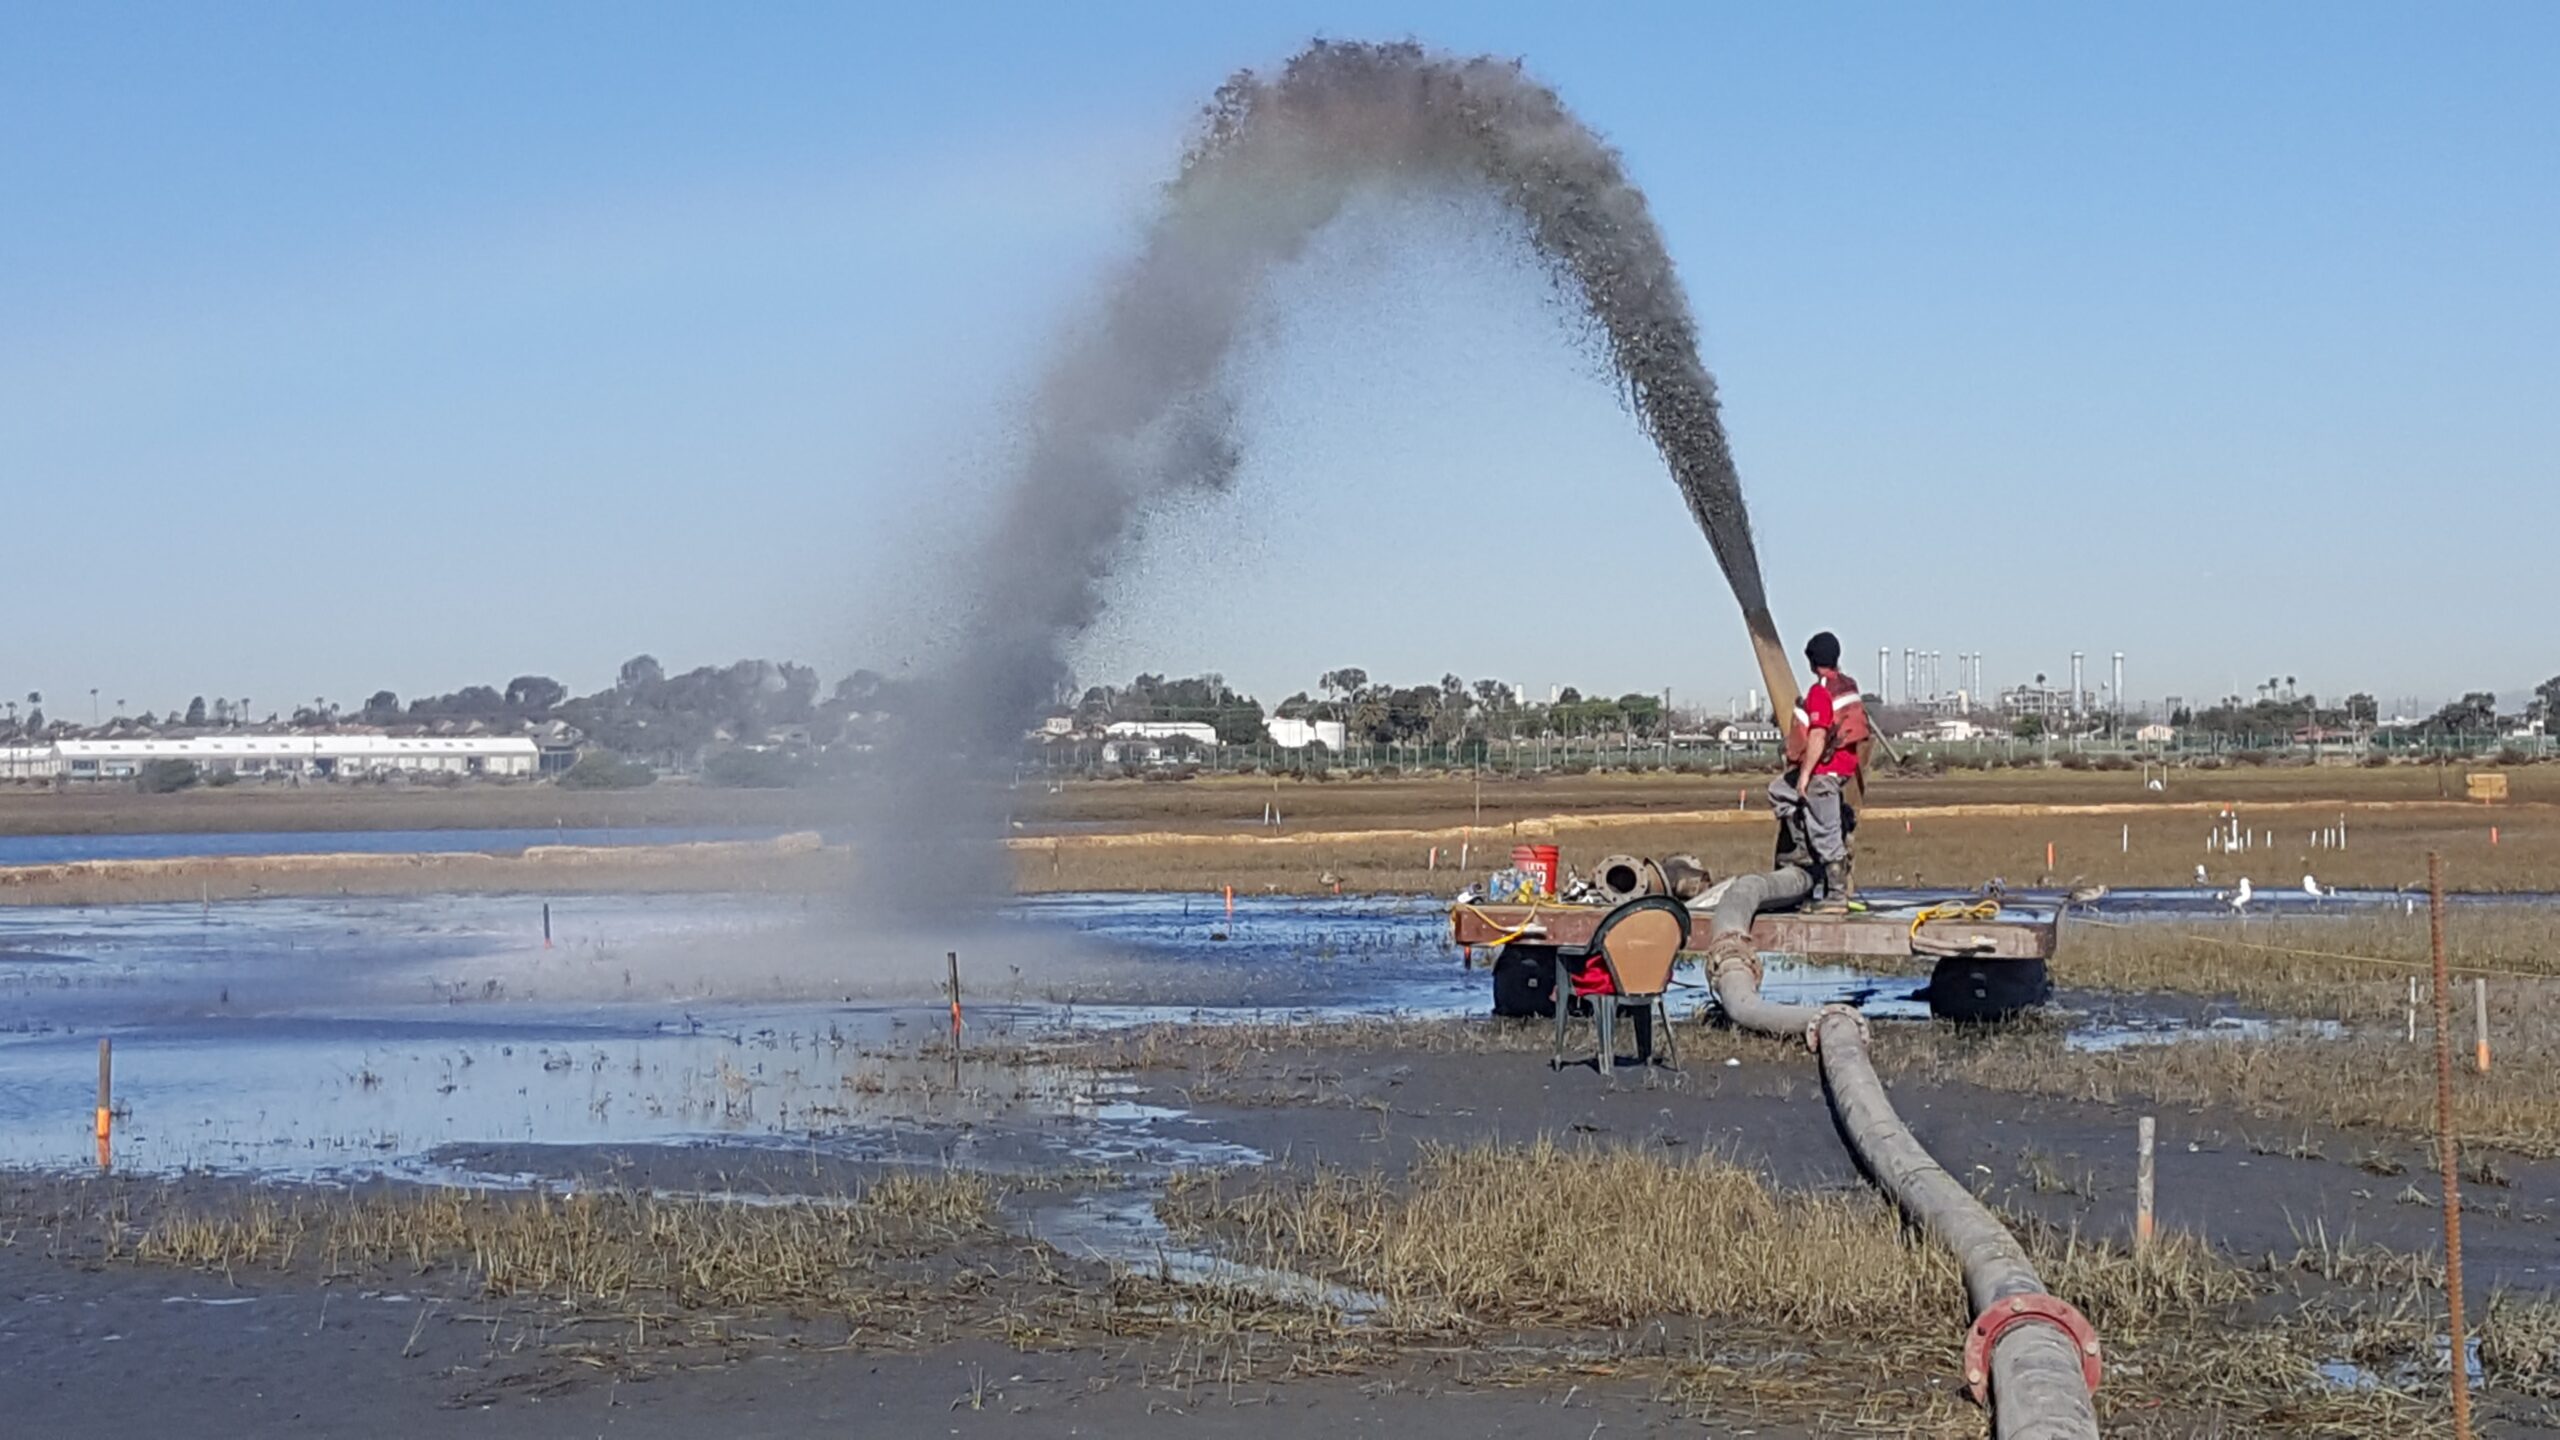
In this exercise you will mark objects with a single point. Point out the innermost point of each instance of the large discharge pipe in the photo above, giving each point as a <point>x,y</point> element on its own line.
<point>2030,1356</point>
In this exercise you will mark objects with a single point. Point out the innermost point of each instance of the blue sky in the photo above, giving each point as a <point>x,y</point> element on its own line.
<point>348,347</point>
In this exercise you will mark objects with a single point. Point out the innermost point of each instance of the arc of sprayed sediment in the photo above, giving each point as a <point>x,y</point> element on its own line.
<point>1135,407</point>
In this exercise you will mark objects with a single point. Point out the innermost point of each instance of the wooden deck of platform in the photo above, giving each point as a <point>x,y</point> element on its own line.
<point>2028,935</point>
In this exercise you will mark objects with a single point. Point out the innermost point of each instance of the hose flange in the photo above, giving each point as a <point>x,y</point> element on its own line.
<point>1813,1032</point>
<point>2022,1309</point>
<point>1724,950</point>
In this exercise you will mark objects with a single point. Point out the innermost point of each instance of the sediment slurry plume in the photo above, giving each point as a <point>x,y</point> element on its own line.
<point>1136,407</point>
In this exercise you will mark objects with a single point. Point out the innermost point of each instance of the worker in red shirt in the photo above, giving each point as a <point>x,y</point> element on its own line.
<point>1826,745</point>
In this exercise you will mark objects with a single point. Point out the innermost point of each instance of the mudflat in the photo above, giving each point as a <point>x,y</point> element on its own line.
<point>658,1289</point>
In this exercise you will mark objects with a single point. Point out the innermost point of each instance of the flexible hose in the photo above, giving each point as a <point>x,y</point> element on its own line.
<point>2038,1386</point>
<point>1745,896</point>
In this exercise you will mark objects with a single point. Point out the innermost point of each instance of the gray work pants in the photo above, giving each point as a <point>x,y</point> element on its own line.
<point>1820,805</point>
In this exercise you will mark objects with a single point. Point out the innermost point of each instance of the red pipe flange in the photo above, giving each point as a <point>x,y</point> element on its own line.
<point>2017,1309</point>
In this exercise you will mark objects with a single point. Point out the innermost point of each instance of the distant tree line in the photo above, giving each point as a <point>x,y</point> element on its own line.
<point>2279,708</point>
<point>1377,712</point>
<point>777,724</point>
<point>1204,699</point>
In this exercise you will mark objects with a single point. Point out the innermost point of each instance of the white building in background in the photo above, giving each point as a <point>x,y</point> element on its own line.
<point>1751,734</point>
<point>1198,732</point>
<point>312,756</point>
<point>2045,702</point>
<point>1947,730</point>
<point>1291,734</point>
<point>2155,733</point>
<point>29,762</point>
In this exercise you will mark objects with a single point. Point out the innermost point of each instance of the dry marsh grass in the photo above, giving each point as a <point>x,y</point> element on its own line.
<point>1940,852</point>
<point>2351,968</point>
<point>1421,801</point>
<point>1702,1268</point>
<point>1512,1237</point>
<point>1377,834</point>
<point>1948,832</point>
<point>2367,1083</point>
<point>599,1248</point>
<point>1545,1263</point>
<point>2352,972</point>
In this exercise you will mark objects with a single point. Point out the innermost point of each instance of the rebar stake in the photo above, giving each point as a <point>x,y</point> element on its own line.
<point>106,1101</point>
<point>2143,1194</point>
<point>2458,1358</point>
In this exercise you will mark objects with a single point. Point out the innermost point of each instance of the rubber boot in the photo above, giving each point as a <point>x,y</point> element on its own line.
<point>1838,896</point>
<point>1794,851</point>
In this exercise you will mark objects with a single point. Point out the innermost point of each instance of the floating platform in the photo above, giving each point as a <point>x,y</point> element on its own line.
<point>1984,967</point>
<point>1881,933</point>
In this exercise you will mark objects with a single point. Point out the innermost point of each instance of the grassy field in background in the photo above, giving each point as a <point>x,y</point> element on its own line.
<point>1425,834</point>
<point>1429,802</point>
<point>1914,836</point>
<point>1210,804</point>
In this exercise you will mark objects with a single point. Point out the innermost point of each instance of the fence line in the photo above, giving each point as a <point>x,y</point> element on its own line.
<point>1572,755</point>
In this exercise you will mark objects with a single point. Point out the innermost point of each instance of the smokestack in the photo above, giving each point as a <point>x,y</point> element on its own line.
<point>2117,688</point>
<point>1910,673</point>
<point>1884,674</point>
<point>2075,684</point>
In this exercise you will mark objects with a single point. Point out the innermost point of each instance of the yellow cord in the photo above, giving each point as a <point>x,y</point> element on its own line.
<point>1525,925</point>
<point>1955,910</point>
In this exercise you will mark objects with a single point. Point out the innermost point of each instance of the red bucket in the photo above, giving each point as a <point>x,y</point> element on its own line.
<point>1539,860</point>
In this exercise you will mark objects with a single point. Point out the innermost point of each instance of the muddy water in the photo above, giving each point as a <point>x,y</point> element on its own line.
<point>310,1038</point>
<point>301,1037</point>
<point>318,1097</point>
<point>58,849</point>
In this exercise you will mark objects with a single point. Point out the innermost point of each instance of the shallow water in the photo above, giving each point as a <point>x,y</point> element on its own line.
<point>318,1037</point>
<point>60,849</point>
<point>1121,1227</point>
<point>310,1037</point>
<point>2121,1034</point>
